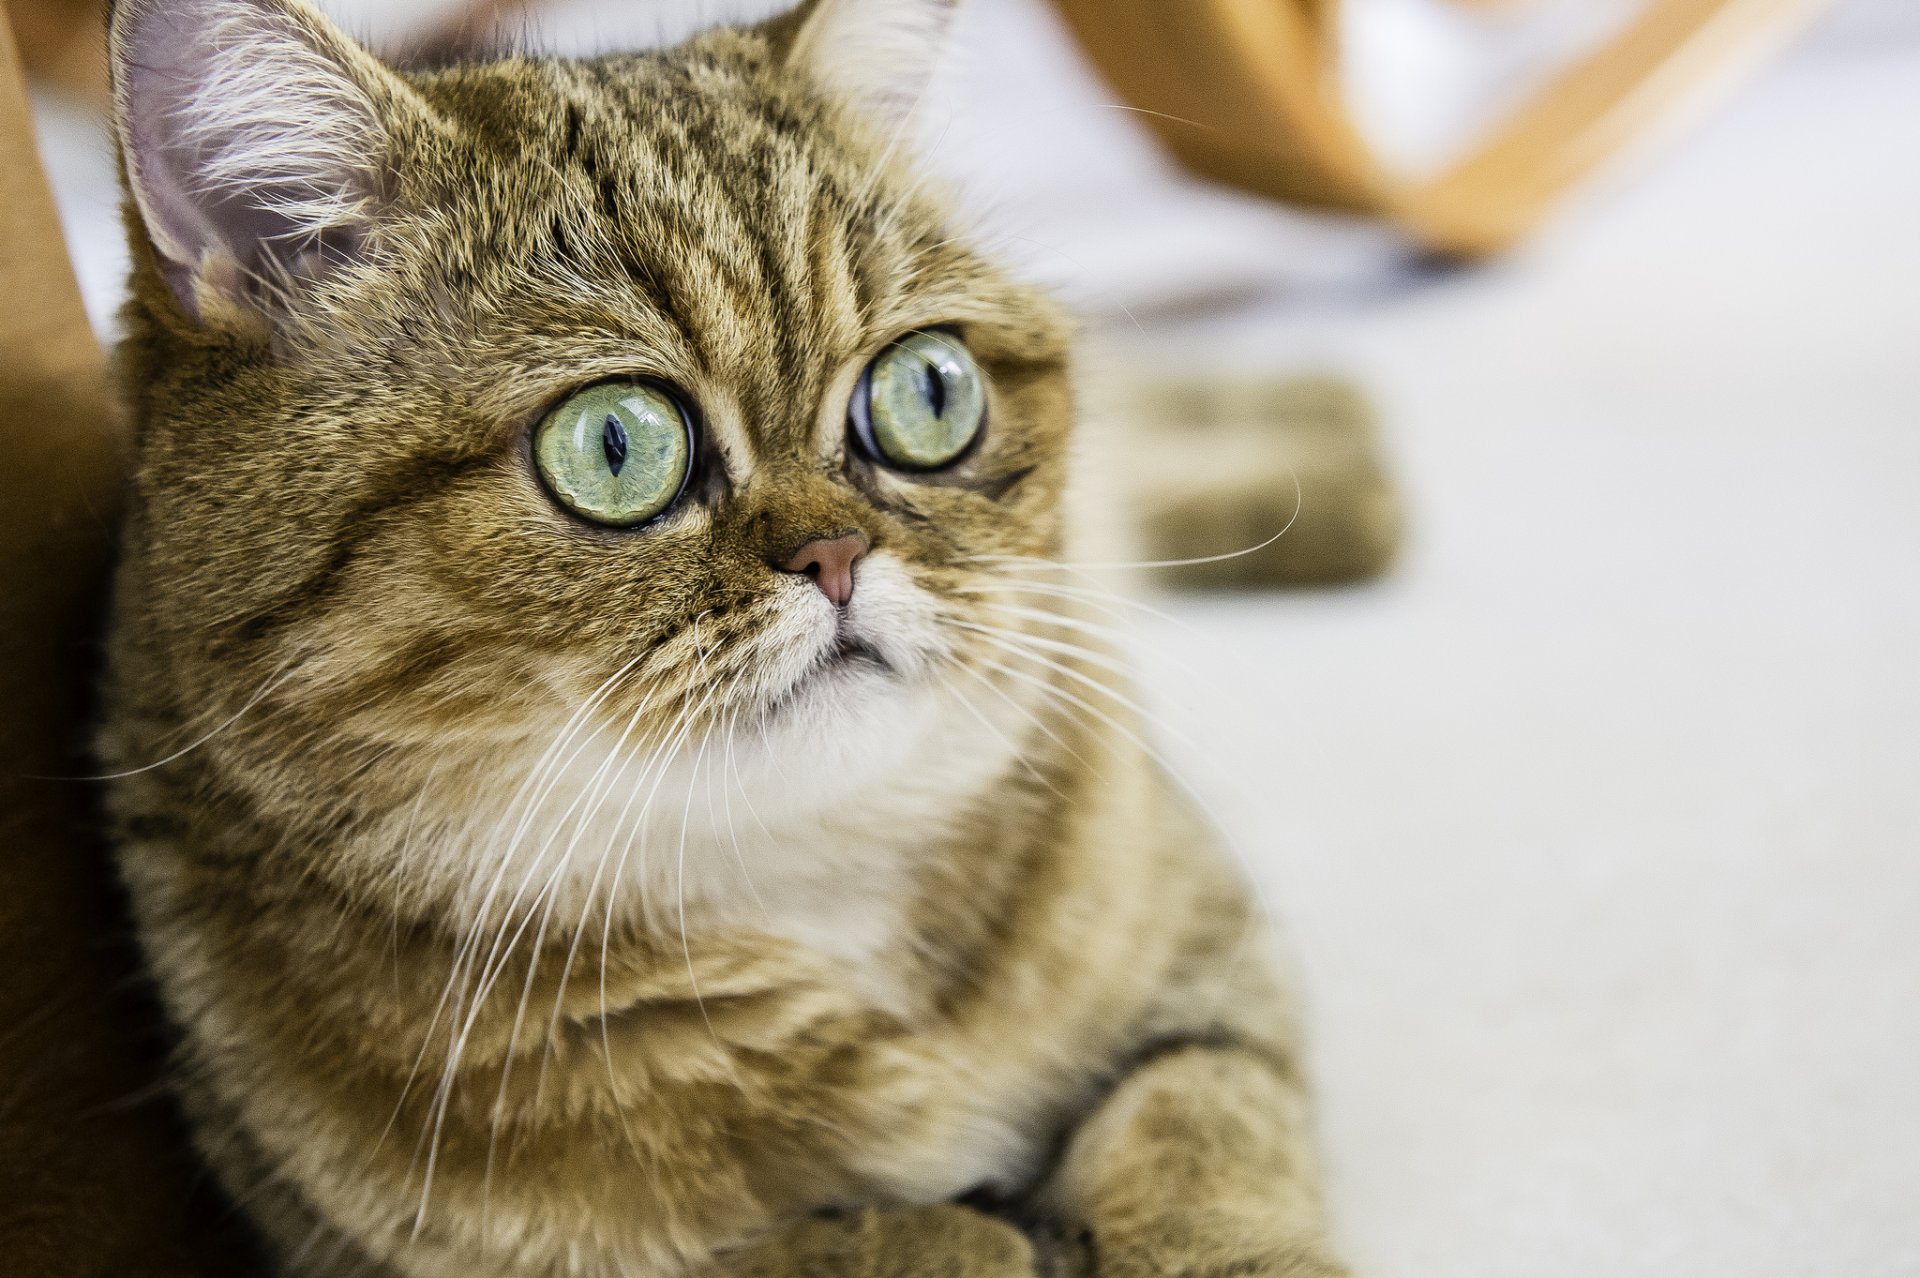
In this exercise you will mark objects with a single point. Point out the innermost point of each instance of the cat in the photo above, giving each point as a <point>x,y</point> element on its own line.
<point>611,772</point>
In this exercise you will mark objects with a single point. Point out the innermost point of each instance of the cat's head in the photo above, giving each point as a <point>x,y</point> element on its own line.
<point>650,401</point>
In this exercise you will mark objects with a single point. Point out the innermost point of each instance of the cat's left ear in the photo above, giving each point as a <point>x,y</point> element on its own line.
<point>255,139</point>
<point>874,55</point>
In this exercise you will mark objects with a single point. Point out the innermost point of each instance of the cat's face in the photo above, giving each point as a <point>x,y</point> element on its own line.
<point>647,402</point>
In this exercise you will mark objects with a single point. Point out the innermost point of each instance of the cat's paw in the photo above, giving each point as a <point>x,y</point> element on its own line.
<point>1196,1166</point>
<point>1181,1258</point>
<point>940,1241</point>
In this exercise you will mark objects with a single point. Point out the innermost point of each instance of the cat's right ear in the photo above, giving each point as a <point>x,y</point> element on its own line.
<point>874,55</point>
<point>254,138</point>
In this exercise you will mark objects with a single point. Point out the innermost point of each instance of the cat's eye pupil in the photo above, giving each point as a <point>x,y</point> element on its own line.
<point>936,390</point>
<point>613,441</point>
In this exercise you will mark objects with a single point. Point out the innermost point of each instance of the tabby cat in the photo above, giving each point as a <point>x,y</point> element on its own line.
<point>612,773</point>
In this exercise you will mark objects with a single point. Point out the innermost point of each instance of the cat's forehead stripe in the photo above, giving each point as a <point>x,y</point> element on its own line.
<point>770,265</point>
<point>735,226</point>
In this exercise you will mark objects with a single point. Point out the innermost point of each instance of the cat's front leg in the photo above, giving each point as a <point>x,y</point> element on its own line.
<point>941,1241</point>
<point>1199,1164</point>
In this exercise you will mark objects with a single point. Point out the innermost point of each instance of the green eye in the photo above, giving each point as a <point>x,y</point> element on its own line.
<point>921,403</point>
<point>617,453</point>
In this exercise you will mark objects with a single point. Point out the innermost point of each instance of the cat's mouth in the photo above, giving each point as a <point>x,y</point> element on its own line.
<point>845,659</point>
<point>847,650</point>
<point>846,656</point>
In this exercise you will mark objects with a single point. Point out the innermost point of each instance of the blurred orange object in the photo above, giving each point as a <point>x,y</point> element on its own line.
<point>95,1179</point>
<point>63,43</point>
<point>1247,92</point>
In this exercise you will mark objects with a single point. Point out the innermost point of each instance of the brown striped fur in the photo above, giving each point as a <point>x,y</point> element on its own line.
<point>528,898</point>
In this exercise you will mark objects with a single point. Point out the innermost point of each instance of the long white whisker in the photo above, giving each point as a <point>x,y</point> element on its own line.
<point>1111,602</point>
<point>739,786</point>
<point>1179,778</point>
<point>1093,656</point>
<point>1019,755</point>
<point>680,868</point>
<point>592,893</point>
<point>549,892</point>
<point>1039,723</point>
<point>1107,690</point>
<point>1299,501</point>
<point>460,974</point>
<point>279,676</point>
<point>683,725</point>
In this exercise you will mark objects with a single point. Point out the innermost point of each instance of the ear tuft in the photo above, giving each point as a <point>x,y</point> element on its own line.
<point>252,139</point>
<point>875,55</point>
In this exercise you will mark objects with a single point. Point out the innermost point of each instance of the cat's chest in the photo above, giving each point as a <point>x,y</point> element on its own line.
<point>856,926</point>
<point>946,1108</point>
<point>847,894</point>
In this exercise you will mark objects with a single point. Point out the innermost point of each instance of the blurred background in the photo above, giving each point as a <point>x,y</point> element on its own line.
<point>1596,820</point>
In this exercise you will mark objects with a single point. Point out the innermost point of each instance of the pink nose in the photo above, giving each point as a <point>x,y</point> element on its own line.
<point>829,562</point>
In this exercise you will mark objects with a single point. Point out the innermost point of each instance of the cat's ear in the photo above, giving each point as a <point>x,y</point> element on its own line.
<point>254,137</point>
<point>875,55</point>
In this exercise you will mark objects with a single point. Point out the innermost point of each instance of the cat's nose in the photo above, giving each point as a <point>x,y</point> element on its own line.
<point>829,561</point>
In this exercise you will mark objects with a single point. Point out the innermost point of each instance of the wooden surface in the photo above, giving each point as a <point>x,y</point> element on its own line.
<point>63,43</point>
<point>1248,92</point>
<point>94,1175</point>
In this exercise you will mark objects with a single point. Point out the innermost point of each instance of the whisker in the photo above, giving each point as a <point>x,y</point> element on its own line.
<point>662,756</point>
<point>1111,602</point>
<point>548,893</point>
<point>739,786</point>
<point>1093,656</point>
<point>1036,720</point>
<point>280,676</point>
<point>682,727</point>
<point>1299,501</point>
<point>538,783</point>
<point>1019,755</point>
<point>680,868</point>
<point>593,887</point>
<point>1263,910</point>
<point>1106,690</point>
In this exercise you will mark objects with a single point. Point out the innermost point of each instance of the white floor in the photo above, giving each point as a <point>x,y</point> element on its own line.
<point>1598,826</point>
